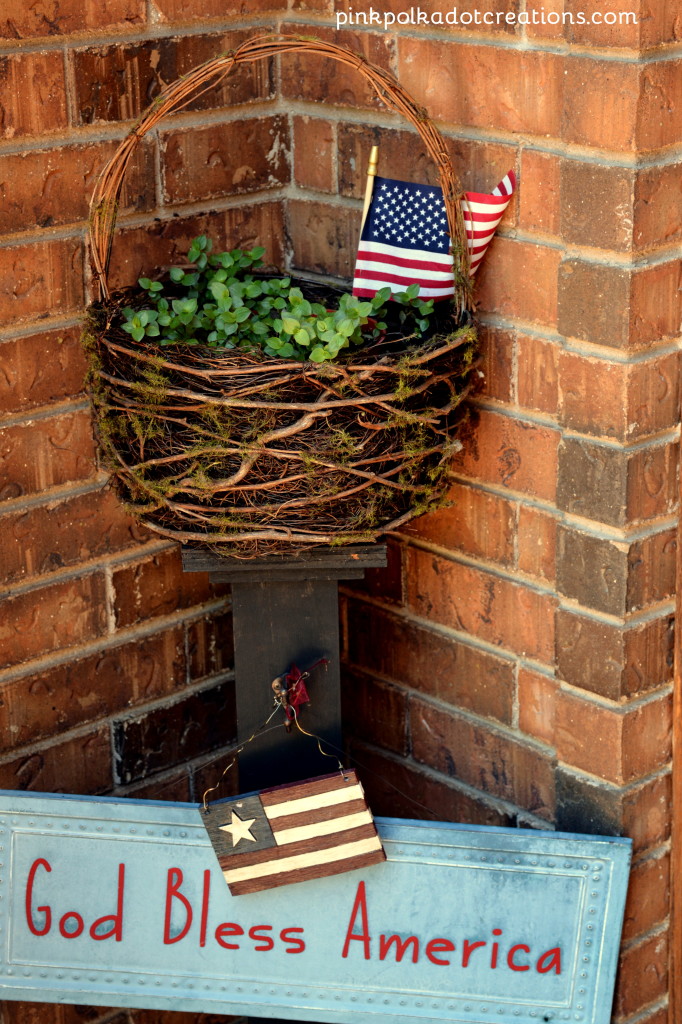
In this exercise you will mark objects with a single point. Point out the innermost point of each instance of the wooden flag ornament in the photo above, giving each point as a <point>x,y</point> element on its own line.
<point>293,833</point>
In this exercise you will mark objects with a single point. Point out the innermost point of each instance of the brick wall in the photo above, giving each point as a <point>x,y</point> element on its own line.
<point>512,665</point>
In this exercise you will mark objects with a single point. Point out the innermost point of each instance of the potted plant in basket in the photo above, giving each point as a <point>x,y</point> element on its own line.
<point>257,414</point>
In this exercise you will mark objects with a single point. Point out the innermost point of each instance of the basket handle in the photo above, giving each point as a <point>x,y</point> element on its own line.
<point>105,199</point>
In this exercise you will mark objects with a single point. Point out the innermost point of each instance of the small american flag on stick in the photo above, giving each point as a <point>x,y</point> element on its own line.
<point>405,237</point>
<point>293,833</point>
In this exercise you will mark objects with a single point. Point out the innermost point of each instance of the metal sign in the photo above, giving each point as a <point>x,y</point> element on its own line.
<point>122,903</point>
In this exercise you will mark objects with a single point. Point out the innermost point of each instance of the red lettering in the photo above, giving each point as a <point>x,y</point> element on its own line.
<point>363,936</point>
<point>204,907</point>
<point>495,948</point>
<point>400,947</point>
<point>175,878</point>
<point>228,930</point>
<point>439,946</point>
<point>39,863</point>
<point>79,925</point>
<point>551,960</point>
<point>116,929</point>
<point>253,934</point>
<point>299,944</point>
<point>468,949</point>
<point>510,958</point>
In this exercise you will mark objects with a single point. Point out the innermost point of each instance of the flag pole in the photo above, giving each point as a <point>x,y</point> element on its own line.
<point>369,188</point>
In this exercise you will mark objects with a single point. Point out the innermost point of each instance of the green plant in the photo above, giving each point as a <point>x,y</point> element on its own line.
<point>216,300</point>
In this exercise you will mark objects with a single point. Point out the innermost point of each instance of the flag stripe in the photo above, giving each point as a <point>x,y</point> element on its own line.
<point>294,790</point>
<point>307,873</point>
<point>309,803</point>
<point>321,828</point>
<point>301,861</point>
<point>304,846</point>
<point>318,814</point>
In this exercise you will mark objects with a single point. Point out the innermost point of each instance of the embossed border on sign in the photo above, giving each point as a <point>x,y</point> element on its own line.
<point>460,924</point>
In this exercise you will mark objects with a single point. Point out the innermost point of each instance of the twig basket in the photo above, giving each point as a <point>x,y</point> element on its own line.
<point>255,455</point>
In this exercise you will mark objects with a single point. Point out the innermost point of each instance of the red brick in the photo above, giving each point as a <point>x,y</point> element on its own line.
<point>530,83</point>
<point>651,570</point>
<point>487,606</point>
<point>536,543</point>
<point>34,93</point>
<point>209,645</point>
<point>40,277</point>
<point>401,789</point>
<point>81,764</point>
<point>402,154</point>
<point>492,762</point>
<point>53,186</point>
<point>648,900</point>
<point>440,666</point>
<point>177,787</point>
<point>225,159</point>
<point>547,25</point>
<point>538,373</point>
<point>537,705</point>
<point>616,486</point>
<point>656,301</point>
<point>167,736</point>
<point>642,975</point>
<point>314,149</point>
<point>64,532</point>
<point>514,453</point>
<point>497,348</point>
<point>619,308</point>
<point>386,583</point>
<point>540,196</point>
<point>657,207</point>
<point>317,79</point>
<point>509,261</point>
<point>45,453</point>
<point>613,661</point>
<point>178,1017</point>
<point>601,103</point>
<point>54,617</point>
<point>50,1013</point>
<point>646,813</point>
<point>627,31</point>
<point>594,303</point>
<point>156,586</point>
<point>118,82</point>
<point>652,482</point>
<point>478,523</point>
<point>659,113</point>
<point>616,745</point>
<point>374,711</point>
<point>141,251</point>
<point>20,21</point>
<point>324,237</point>
<point>86,689</point>
<point>200,10</point>
<point>619,400</point>
<point>587,190</point>
<point>41,368</point>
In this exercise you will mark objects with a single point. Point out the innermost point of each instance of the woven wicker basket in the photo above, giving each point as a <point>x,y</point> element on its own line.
<point>252,455</point>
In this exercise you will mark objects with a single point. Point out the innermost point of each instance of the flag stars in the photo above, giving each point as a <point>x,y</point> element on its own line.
<point>239,829</point>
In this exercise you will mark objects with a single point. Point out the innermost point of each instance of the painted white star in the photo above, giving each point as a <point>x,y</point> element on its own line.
<point>239,829</point>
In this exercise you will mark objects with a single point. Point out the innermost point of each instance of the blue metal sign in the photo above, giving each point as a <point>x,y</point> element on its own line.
<point>122,903</point>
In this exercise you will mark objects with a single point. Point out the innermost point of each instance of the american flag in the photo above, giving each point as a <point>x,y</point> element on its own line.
<point>293,833</point>
<point>405,237</point>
